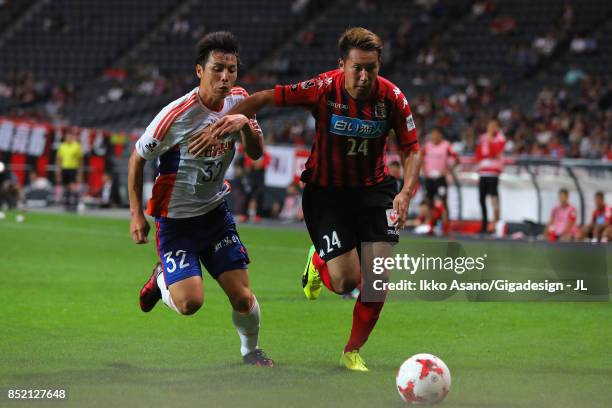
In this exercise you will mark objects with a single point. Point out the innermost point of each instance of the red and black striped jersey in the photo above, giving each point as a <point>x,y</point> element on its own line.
<point>351,135</point>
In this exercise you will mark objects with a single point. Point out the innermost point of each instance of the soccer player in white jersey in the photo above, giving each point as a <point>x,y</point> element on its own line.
<point>192,219</point>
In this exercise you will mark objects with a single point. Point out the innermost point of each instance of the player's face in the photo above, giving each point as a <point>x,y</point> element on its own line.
<point>360,71</point>
<point>492,127</point>
<point>436,136</point>
<point>599,201</point>
<point>563,198</point>
<point>218,75</point>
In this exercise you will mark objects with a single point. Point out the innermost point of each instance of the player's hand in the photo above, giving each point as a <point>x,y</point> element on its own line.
<point>401,202</point>
<point>228,124</point>
<point>200,142</point>
<point>139,229</point>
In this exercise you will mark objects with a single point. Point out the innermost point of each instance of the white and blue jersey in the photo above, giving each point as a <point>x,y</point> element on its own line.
<point>193,222</point>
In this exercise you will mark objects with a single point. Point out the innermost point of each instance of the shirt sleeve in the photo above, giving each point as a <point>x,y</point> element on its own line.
<point>157,138</point>
<point>403,123</point>
<point>305,93</point>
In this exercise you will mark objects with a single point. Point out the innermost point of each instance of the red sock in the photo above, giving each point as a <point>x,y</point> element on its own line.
<point>321,266</point>
<point>365,316</point>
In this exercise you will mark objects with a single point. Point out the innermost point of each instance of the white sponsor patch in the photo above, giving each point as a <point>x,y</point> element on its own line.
<point>410,123</point>
<point>392,217</point>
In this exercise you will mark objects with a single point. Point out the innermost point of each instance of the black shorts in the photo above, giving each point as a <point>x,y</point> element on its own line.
<point>69,176</point>
<point>487,186</point>
<point>436,187</point>
<point>340,219</point>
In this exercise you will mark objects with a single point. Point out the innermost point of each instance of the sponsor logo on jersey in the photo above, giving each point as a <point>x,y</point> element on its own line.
<point>353,127</point>
<point>227,241</point>
<point>410,123</point>
<point>307,84</point>
<point>218,149</point>
<point>338,105</point>
<point>151,145</point>
<point>380,110</point>
<point>294,87</point>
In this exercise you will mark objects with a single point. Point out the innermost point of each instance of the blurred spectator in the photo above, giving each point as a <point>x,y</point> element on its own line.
<point>254,187</point>
<point>601,219</point>
<point>483,7</point>
<point>291,209</point>
<point>10,192</point>
<point>489,155</point>
<point>431,215</point>
<point>546,44</point>
<point>573,75</point>
<point>69,169</point>
<point>583,44</point>
<point>438,159</point>
<point>503,25</point>
<point>109,193</point>
<point>568,17</point>
<point>562,224</point>
<point>38,191</point>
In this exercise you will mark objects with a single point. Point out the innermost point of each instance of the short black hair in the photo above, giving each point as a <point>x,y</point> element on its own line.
<point>599,194</point>
<point>564,191</point>
<point>223,41</point>
<point>395,163</point>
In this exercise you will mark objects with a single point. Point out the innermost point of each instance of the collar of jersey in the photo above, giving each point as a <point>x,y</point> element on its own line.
<point>203,105</point>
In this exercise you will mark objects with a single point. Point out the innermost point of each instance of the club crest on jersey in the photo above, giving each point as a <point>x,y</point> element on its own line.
<point>410,123</point>
<point>380,110</point>
<point>392,217</point>
<point>353,127</point>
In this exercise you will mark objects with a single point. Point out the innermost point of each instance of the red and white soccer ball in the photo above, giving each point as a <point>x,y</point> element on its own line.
<point>423,379</point>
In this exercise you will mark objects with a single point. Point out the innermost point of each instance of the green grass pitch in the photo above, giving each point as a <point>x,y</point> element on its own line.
<point>70,319</point>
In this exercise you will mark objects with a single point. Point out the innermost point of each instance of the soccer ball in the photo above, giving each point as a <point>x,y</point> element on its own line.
<point>423,379</point>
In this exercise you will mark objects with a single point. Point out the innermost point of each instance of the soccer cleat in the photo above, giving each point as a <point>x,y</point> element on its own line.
<point>258,358</point>
<point>311,281</point>
<point>150,293</point>
<point>353,361</point>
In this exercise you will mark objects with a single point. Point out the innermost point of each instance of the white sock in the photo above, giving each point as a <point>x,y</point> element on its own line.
<point>247,325</point>
<point>161,283</point>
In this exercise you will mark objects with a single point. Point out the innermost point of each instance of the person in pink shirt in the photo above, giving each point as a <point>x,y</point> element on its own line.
<point>489,155</point>
<point>562,225</point>
<point>438,158</point>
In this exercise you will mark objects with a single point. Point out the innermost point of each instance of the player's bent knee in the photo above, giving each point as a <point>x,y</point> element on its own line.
<point>345,285</point>
<point>243,302</point>
<point>189,306</point>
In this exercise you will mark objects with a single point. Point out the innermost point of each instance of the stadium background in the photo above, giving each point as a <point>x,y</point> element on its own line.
<point>104,69</point>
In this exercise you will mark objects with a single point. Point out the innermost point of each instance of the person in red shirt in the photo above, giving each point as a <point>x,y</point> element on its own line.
<point>431,212</point>
<point>489,155</point>
<point>600,220</point>
<point>349,197</point>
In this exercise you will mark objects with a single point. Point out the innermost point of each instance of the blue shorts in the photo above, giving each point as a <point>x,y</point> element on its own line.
<point>210,238</point>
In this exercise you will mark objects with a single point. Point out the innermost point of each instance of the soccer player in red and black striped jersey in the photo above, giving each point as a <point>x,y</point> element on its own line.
<point>349,198</point>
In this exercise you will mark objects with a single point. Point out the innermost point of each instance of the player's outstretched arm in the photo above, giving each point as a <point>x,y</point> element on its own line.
<point>139,227</point>
<point>231,123</point>
<point>411,162</point>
